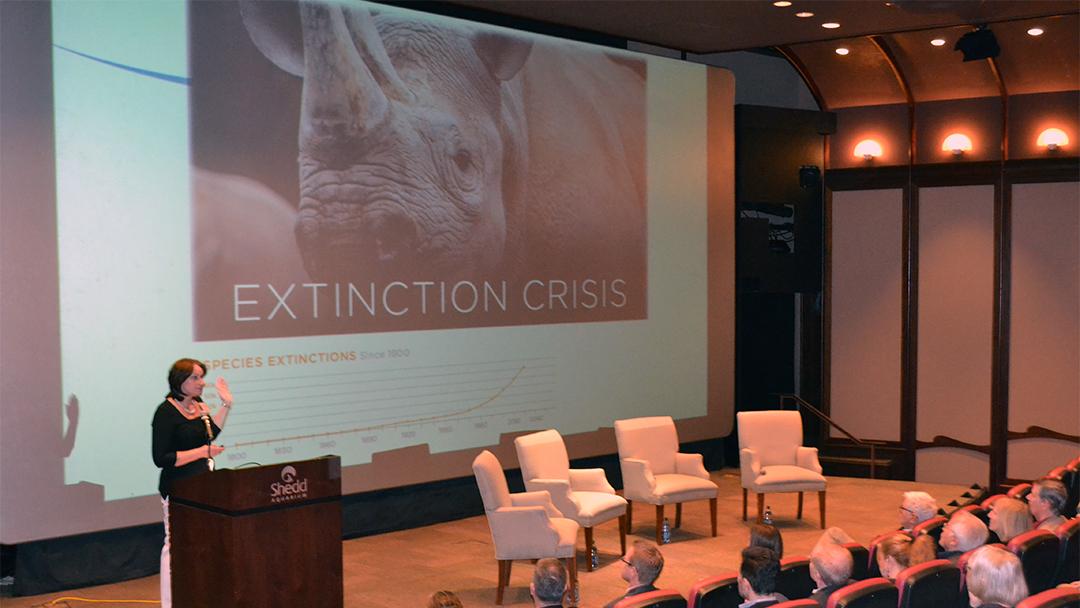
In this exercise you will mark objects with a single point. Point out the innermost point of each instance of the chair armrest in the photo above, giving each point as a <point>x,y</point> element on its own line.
<point>691,464</point>
<point>749,465</point>
<point>519,531</point>
<point>539,498</point>
<point>638,479</point>
<point>807,459</point>
<point>590,480</point>
<point>561,497</point>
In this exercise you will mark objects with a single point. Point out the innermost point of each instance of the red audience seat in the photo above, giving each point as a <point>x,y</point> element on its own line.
<point>1071,479</point>
<point>794,580</point>
<point>989,500</point>
<point>1020,491</point>
<point>932,526</point>
<point>1053,598</point>
<point>977,511</point>
<point>961,565</point>
<point>860,556</point>
<point>797,604</point>
<point>1038,551</point>
<point>1057,473</point>
<point>933,584</point>
<point>871,593</point>
<point>721,591</point>
<point>1068,535</point>
<point>661,598</point>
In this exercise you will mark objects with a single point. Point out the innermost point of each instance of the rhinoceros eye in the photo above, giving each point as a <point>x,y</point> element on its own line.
<point>463,160</point>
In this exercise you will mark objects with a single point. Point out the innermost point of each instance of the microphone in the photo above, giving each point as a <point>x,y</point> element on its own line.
<point>209,439</point>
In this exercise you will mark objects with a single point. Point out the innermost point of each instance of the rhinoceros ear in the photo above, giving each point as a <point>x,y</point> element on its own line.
<point>502,54</point>
<point>275,29</point>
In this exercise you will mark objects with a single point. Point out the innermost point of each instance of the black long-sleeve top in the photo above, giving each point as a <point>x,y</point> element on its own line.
<point>173,433</point>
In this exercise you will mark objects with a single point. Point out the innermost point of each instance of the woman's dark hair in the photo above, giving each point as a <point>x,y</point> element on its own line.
<point>764,535</point>
<point>179,373</point>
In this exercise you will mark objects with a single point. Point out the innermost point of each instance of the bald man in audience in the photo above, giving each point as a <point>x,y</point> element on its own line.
<point>915,508</point>
<point>1047,501</point>
<point>963,533</point>
<point>830,567</point>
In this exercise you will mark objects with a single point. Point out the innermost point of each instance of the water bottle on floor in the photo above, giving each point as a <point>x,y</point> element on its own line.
<point>767,518</point>
<point>594,557</point>
<point>665,532</point>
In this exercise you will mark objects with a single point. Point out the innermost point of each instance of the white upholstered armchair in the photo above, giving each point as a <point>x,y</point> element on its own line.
<point>525,525</point>
<point>772,459</point>
<point>656,473</point>
<point>583,495</point>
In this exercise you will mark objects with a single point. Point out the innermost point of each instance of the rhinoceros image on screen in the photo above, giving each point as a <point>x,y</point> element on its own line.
<point>361,168</point>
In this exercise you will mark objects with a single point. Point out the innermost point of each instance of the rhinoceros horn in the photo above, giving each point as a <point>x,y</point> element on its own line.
<point>342,99</point>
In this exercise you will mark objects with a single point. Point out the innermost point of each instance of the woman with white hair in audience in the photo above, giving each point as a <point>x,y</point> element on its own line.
<point>1009,518</point>
<point>995,579</point>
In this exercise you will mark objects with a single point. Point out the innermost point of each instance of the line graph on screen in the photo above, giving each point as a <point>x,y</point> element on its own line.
<point>286,409</point>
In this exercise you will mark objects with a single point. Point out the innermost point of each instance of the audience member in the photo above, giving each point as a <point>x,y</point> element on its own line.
<point>915,508</point>
<point>897,551</point>
<point>641,567</point>
<point>548,584</point>
<point>830,567</point>
<point>444,599</point>
<point>757,578</point>
<point>963,533</point>
<point>768,536</point>
<point>1009,518</point>
<point>1047,501</point>
<point>833,536</point>
<point>995,579</point>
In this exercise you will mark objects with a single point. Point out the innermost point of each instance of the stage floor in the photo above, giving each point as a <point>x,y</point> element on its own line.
<point>401,569</point>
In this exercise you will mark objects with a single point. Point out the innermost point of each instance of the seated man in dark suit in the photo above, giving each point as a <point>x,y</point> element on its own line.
<point>548,584</point>
<point>963,533</point>
<point>757,578</point>
<point>641,567</point>
<point>830,567</point>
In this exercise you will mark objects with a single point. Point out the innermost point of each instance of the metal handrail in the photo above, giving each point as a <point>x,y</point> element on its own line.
<point>799,401</point>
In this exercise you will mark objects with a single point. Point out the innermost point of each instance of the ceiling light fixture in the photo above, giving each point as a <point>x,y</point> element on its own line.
<point>938,42</point>
<point>804,15</point>
<point>867,149</point>
<point>957,143</point>
<point>781,3</point>
<point>832,25</point>
<point>1035,31</point>
<point>1052,139</point>
<point>842,50</point>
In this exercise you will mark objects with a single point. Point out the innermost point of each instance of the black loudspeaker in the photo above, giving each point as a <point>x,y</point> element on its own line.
<point>809,177</point>
<point>980,44</point>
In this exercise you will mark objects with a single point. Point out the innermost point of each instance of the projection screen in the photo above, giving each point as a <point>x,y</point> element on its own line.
<point>401,237</point>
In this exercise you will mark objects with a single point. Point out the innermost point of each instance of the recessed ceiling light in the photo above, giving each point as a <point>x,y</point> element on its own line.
<point>781,3</point>
<point>842,50</point>
<point>1035,31</point>
<point>804,14</point>
<point>938,42</point>
<point>832,25</point>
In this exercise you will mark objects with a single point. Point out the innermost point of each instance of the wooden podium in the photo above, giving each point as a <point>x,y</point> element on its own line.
<point>264,536</point>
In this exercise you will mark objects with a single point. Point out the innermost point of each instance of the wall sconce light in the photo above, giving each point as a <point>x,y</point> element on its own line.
<point>957,143</point>
<point>1052,139</point>
<point>867,149</point>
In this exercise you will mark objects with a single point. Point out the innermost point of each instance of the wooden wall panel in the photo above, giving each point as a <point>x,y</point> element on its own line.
<point>955,328</point>
<point>1044,351</point>
<point>865,312</point>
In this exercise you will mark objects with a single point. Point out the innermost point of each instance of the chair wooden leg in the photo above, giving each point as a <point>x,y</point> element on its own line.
<point>622,533</point>
<point>571,568</point>
<point>821,505</point>
<point>760,508</point>
<point>588,549</point>
<point>744,504</point>
<point>629,519</point>
<point>712,514</point>
<point>799,514</point>
<point>678,515</point>
<point>504,579</point>
<point>659,524</point>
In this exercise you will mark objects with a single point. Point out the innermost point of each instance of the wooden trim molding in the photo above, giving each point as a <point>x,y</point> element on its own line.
<point>1039,432</point>
<point>804,73</point>
<point>944,441</point>
<point>901,79</point>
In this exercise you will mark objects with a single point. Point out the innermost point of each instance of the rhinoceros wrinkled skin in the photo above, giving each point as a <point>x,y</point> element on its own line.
<point>431,150</point>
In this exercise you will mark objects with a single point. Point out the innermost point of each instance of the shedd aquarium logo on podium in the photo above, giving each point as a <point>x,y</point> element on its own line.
<point>289,488</point>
